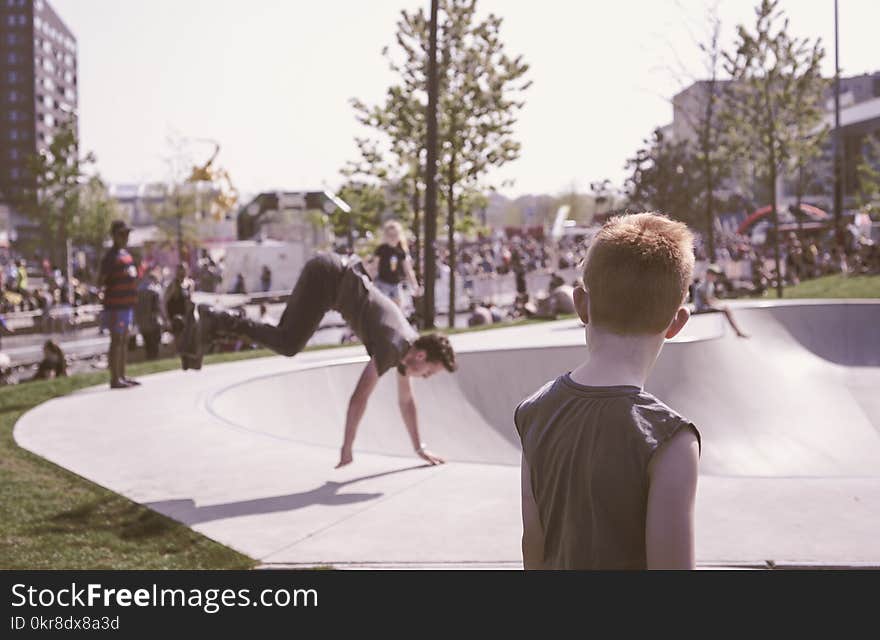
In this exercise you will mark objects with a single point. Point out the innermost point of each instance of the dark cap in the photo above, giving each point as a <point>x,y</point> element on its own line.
<point>119,225</point>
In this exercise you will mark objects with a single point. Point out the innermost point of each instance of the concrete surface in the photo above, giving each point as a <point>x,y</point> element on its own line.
<point>244,452</point>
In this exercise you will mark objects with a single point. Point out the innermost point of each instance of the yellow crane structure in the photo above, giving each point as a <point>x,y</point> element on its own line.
<point>224,195</point>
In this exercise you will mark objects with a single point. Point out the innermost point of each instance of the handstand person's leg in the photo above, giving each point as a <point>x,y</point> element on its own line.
<point>311,298</point>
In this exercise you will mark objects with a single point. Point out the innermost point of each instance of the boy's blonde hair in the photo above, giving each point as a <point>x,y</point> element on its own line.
<point>637,272</point>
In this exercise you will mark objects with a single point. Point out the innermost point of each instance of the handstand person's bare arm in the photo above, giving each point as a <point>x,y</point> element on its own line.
<point>533,533</point>
<point>356,407</point>
<point>410,419</point>
<point>669,525</point>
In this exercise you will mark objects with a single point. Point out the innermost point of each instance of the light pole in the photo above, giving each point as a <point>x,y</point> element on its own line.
<point>838,164</point>
<point>431,174</point>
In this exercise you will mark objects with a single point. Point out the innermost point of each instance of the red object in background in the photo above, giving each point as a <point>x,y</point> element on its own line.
<point>535,231</point>
<point>763,212</point>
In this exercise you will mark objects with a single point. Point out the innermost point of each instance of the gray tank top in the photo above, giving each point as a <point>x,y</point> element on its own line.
<point>588,450</point>
<point>373,317</point>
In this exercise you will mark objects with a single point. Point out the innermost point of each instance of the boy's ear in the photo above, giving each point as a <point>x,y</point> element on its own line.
<point>681,317</point>
<point>581,304</point>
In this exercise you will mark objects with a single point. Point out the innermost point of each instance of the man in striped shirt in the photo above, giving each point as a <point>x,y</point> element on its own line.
<point>118,277</point>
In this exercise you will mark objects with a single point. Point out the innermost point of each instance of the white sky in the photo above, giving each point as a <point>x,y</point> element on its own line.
<point>271,79</point>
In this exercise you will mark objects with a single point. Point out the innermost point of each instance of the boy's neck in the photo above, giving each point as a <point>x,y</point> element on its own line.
<point>617,360</point>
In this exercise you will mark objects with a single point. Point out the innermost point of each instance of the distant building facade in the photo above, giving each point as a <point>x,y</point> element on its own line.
<point>860,118</point>
<point>38,91</point>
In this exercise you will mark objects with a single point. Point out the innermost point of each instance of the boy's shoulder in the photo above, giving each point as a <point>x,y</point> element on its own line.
<point>652,420</point>
<point>658,422</point>
<point>533,401</point>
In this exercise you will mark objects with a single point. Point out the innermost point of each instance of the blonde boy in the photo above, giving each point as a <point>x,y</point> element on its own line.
<point>609,473</point>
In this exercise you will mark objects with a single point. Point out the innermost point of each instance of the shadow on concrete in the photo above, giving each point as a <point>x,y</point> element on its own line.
<point>186,511</point>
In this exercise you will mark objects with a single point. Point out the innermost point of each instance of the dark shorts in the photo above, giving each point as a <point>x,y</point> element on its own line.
<point>117,320</point>
<point>390,289</point>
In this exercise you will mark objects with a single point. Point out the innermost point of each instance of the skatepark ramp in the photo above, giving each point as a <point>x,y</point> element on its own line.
<point>797,399</point>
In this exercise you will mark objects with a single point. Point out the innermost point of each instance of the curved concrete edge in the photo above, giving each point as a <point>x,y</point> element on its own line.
<point>282,503</point>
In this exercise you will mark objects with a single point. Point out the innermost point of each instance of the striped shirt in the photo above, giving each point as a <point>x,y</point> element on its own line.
<point>119,276</point>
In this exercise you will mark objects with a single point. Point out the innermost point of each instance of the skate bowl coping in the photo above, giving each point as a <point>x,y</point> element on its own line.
<point>794,400</point>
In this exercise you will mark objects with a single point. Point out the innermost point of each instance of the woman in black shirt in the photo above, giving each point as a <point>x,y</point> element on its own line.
<point>395,264</point>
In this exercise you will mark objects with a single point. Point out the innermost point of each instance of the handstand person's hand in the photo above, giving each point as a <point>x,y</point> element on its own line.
<point>424,454</point>
<point>345,457</point>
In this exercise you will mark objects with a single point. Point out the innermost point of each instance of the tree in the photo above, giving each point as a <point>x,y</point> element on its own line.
<point>479,97</point>
<point>367,202</point>
<point>868,175</point>
<point>176,216</point>
<point>53,204</point>
<point>400,121</point>
<point>774,97</point>
<point>711,155</point>
<point>96,211</point>
<point>666,178</point>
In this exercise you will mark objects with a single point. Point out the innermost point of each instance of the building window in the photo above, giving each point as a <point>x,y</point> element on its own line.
<point>12,58</point>
<point>68,77</point>
<point>14,154</point>
<point>48,65</point>
<point>48,101</point>
<point>70,94</point>
<point>22,19</point>
<point>12,77</point>
<point>12,96</point>
<point>49,120</point>
<point>38,5</point>
<point>13,134</point>
<point>14,173</point>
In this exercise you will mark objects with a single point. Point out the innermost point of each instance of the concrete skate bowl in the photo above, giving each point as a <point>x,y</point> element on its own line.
<point>798,399</point>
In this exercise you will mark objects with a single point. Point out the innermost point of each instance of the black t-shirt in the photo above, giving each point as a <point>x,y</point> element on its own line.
<point>372,316</point>
<point>391,263</point>
<point>588,450</point>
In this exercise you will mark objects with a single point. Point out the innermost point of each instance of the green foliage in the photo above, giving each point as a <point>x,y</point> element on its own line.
<point>836,286</point>
<point>868,173</point>
<point>665,177</point>
<point>51,518</point>
<point>712,153</point>
<point>480,89</point>
<point>774,101</point>
<point>368,203</point>
<point>177,214</point>
<point>775,98</point>
<point>54,203</point>
<point>96,211</point>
